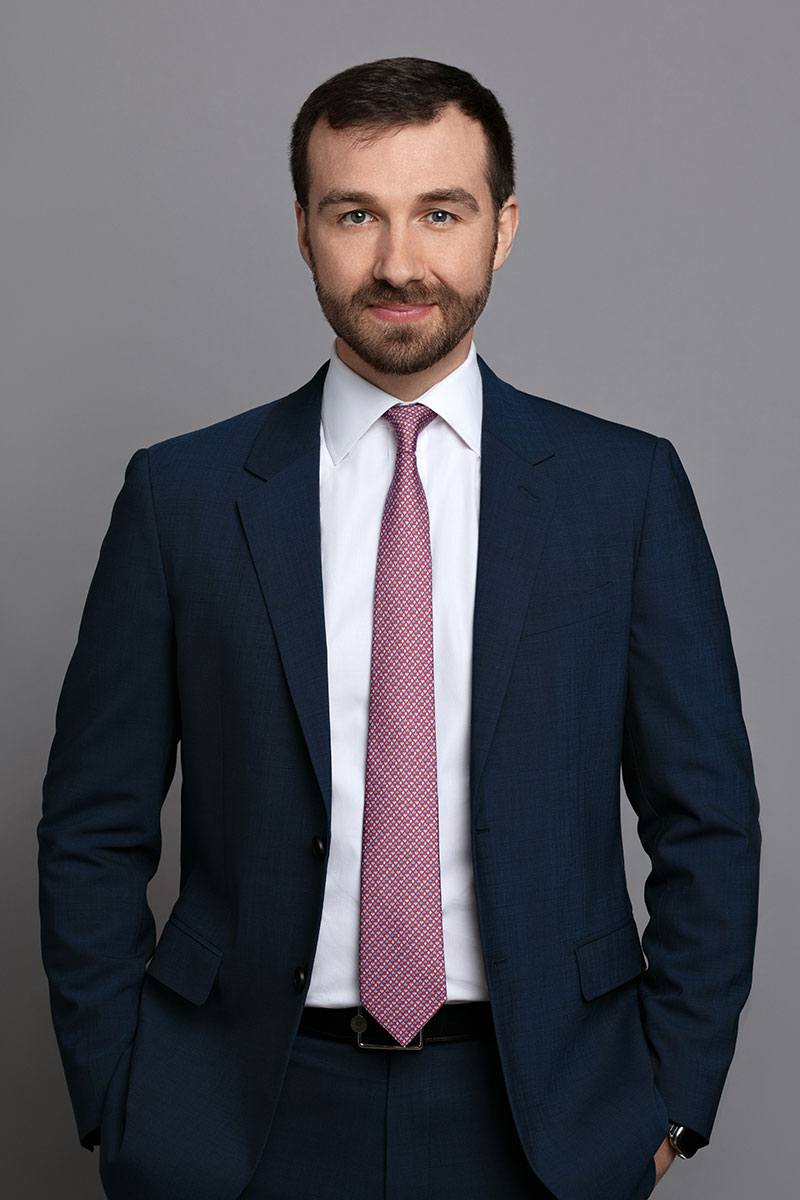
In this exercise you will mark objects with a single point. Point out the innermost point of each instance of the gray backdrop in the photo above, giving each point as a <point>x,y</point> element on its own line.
<point>151,284</point>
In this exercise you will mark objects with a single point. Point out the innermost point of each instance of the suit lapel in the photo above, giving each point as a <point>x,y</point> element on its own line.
<point>518,491</point>
<point>281,521</point>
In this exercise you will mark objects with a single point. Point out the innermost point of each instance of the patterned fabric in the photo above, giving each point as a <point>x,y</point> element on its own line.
<point>402,978</point>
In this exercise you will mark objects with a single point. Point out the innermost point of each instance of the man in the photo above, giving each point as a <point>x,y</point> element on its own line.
<point>407,623</point>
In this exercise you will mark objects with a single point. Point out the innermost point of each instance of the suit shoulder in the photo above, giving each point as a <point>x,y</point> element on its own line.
<point>221,444</point>
<point>569,426</point>
<point>585,436</point>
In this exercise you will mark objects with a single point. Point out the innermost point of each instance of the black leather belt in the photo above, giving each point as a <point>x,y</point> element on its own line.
<point>455,1022</point>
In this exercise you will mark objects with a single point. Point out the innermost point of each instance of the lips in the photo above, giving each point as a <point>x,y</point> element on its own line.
<point>400,312</point>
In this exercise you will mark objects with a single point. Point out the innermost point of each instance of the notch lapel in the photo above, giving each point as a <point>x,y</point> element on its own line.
<point>281,521</point>
<point>517,496</point>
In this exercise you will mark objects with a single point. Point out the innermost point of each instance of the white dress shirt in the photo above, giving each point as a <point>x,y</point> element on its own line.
<point>357,459</point>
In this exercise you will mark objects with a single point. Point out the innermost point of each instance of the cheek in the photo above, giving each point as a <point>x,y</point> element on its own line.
<point>463,263</point>
<point>342,266</point>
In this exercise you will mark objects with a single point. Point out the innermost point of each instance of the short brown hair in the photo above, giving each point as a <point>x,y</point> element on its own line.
<point>392,92</point>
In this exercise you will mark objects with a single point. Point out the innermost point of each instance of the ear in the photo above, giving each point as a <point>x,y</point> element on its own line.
<point>302,233</point>
<point>507,223</point>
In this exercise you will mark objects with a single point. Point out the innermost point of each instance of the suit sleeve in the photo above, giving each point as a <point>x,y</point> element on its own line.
<point>110,766</point>
<point>688,773</point>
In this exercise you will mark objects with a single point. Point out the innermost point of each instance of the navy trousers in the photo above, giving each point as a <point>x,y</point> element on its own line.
<point>432,1124</point>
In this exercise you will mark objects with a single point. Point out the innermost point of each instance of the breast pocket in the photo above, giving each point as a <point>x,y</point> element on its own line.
<point>551,612</point>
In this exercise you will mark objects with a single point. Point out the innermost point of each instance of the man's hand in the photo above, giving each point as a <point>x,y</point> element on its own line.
<point>664,1158</point>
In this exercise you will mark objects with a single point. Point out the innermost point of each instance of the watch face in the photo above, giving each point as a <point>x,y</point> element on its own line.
<point>684,1142</point>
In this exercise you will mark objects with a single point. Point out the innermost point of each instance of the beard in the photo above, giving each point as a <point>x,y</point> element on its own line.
<point>403,348</point>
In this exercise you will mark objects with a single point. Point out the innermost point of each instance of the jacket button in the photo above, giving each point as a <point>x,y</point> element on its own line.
<point>299,978</point>
<point>318,846</point>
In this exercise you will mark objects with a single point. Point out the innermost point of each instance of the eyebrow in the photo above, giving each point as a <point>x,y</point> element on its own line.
<point>451,195</point>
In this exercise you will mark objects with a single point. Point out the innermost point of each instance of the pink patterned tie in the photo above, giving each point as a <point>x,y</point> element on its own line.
<point>401,946</point>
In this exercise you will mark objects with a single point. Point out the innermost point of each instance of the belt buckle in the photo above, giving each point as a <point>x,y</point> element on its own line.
<point>358,1024</point>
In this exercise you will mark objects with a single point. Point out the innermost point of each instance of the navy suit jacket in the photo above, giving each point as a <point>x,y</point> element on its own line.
<point>601,641</point>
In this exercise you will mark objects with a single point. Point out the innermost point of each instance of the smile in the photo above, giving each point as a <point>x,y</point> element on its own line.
<point>401,312</point>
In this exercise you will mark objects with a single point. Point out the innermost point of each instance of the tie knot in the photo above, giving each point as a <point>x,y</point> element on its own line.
<point>407,420</point>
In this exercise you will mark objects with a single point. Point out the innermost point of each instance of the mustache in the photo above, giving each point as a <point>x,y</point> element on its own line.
<point>405,300</point>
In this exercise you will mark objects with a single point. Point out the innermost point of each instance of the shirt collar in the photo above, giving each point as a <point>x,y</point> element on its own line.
<point>351,404</point>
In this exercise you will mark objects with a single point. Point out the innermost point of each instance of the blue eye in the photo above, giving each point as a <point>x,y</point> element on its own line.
<point>349,214</point>
<point>355,211</point>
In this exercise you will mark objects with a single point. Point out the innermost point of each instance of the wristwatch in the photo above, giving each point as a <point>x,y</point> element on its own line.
<point>685,1142</point>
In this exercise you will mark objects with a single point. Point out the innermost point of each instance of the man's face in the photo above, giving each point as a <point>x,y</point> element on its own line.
<point>370,240</point>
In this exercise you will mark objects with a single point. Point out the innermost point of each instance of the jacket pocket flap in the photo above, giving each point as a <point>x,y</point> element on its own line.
<point>607,961</point>
<point>184,963</point>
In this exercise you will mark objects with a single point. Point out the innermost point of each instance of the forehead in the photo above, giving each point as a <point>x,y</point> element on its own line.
<point>412,158</point>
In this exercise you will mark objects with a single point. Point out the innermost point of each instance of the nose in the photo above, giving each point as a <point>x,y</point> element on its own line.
<point>398,261</point>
